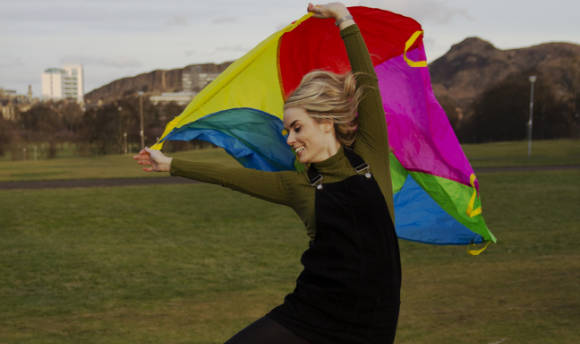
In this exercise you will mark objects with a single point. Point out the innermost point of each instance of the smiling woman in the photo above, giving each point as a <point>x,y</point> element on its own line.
<point>349,289</point>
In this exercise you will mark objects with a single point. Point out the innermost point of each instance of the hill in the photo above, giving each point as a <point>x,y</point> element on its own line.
<point>154,82</point>
<point>475,65</point>
<point>459,77</point>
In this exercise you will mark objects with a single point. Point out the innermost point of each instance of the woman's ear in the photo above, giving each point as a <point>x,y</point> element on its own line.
<point>327,124</point>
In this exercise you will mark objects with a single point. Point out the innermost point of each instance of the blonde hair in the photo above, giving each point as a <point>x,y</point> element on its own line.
<point>327,95</point>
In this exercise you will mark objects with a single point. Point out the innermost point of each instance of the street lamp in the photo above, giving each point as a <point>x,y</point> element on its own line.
<point>141,132</point>
<point>120,108</point>
<point>531,120</point>
<point>125,142</point>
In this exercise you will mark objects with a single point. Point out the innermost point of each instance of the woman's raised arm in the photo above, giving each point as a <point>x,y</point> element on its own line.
<point>371,140</point>
<point>372,130</point>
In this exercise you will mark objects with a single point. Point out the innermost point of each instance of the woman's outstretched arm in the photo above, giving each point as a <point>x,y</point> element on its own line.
<point>270,186</point>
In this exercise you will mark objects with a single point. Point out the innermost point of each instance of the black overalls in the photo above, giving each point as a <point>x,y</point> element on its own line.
<point>349,290</point>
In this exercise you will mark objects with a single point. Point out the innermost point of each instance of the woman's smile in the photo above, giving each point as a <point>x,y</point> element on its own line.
<point>299,150</point>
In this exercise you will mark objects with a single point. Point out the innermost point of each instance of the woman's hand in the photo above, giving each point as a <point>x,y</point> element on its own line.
<point>334,10</point>
<point>154,158</point>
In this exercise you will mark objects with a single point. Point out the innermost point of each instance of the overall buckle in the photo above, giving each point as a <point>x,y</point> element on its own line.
<point>363,168</point>
<point>316,182</point>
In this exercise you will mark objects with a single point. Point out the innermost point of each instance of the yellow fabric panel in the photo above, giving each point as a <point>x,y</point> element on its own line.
<point>252,81</point>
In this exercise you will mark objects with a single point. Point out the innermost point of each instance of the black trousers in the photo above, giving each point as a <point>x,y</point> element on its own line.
<point>266,331</point>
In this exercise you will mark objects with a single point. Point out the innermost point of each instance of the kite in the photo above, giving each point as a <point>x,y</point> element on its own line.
<point>436,193</point>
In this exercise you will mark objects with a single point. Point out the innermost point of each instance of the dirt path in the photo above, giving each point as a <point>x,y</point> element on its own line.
<point>111,182</point>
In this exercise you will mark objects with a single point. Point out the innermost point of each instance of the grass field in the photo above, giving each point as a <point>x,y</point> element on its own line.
<point>107,166</point>
<point>162,264</point>
<point>555,152</point>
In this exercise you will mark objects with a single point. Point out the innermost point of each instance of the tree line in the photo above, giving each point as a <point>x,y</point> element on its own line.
<point>112,128</point>
<point>499,114</point>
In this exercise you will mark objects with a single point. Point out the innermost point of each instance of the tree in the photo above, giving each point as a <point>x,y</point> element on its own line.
<point>103,129</point>
<point>6,134</point>
<point>100,129</point>
<point>41,124</point>
<point>501,113</point>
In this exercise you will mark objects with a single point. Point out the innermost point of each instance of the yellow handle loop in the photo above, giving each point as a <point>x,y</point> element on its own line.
<point>476,251</point>
<point>470,211</point>
<point>408,45</point>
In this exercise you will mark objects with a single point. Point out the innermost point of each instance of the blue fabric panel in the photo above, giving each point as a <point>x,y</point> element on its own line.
<point>252,137</point>
<point>419,218</point>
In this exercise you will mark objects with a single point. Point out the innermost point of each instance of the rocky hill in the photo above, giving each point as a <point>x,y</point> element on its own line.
<point>154,82</point>
<point>460,76</point>
<point>474,65</point>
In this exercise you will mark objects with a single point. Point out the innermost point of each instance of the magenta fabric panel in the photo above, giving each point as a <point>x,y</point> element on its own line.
<point>419,132</point>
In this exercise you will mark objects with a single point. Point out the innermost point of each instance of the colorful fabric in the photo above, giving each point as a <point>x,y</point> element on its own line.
<point>436,193</point>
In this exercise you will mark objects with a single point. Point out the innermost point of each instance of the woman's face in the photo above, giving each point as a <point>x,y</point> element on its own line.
<point>311,139</point>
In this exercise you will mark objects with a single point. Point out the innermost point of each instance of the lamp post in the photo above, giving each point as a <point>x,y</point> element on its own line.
<point>120,108</point>
<point>125,142</point>
<point>141,132</point>
<point>531,120</point>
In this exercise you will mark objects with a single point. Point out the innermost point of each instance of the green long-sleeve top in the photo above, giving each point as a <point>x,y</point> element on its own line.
<point>292,188</point>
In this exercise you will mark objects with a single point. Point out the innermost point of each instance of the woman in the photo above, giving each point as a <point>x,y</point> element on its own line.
<point>349,289</point>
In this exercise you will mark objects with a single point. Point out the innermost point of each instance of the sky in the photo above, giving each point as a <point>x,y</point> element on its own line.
<point>120,38</point>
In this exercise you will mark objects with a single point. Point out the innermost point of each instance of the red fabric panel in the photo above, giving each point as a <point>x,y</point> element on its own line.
<point>316,43</point>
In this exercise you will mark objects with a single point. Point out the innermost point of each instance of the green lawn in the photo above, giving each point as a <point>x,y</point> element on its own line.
<point>515,153</point>
<point>554,152</point>
<point>195,263</point>
<point>108,166</point>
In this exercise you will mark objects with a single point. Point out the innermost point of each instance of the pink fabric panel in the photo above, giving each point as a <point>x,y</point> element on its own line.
<point>419,132</point>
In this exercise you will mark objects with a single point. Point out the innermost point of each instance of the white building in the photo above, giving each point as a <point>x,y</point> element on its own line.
<point>63,83</point>
<point>181,98</point>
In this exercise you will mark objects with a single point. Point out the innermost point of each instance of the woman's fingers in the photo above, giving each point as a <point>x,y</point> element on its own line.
<point>144,162</point>
<point>330,10</point>
<point>316,10</point>
<point>142,157</point>
<point>153,160</point>
<point>143,154</point>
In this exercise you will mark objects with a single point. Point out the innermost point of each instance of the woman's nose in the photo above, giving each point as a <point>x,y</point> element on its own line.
<point>290,139</point>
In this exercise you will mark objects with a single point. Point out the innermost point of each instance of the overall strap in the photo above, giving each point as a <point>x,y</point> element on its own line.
<point>314,177</point>
<point>358,164</point>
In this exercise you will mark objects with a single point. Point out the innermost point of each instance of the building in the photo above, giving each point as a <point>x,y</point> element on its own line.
<point>181,98</point>
<point>191,79</point>
<point>205,79</point>
<point>12,103</point>
<point>63,83</point>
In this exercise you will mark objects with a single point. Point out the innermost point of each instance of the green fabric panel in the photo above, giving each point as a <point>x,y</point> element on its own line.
<point>454,198</point>
<point>398,173</point>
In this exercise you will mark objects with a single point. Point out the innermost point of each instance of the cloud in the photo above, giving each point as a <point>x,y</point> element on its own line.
<point>190,52</point>
<point>433,11</point>
<point>177,21</point>
<point>110,62</point>
<point>10,61</point>
<point>223,20</point>
<point>231,48</point>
